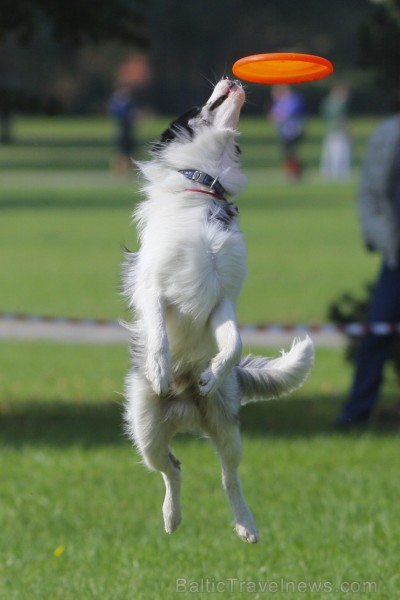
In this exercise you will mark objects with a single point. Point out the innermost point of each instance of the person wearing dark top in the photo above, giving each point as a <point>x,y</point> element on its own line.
<point>379,213</point>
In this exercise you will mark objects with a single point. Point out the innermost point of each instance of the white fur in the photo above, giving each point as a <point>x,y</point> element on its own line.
<point>183,286</point>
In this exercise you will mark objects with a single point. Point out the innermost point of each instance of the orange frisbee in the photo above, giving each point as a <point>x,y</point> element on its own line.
<point>282,67</point>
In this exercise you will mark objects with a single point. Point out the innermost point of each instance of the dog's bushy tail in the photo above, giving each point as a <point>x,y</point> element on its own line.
<point>264,379</point>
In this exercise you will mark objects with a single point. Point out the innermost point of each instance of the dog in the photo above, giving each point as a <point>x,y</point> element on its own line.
<point>187,371</point>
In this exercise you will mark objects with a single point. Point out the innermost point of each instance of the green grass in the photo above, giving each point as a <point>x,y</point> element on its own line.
<point>81,144</point>
<point>62,229</point>
<point>65,246</point>
<point>80,517</point>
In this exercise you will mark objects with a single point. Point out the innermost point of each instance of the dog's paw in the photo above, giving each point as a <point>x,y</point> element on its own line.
<point>172,517</point>
<point>208,383</point>
<point>247,534</point>
<point>158,371</point>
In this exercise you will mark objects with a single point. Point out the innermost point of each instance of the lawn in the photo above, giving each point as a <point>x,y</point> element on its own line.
<point>62,230</point>
<point>80,517</point>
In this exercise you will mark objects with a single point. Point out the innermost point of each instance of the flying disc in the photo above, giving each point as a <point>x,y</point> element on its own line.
<point>282,67</point>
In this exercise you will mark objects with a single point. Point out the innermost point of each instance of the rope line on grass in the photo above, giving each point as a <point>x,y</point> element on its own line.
<point>351,329</point>
<point>33,318</point>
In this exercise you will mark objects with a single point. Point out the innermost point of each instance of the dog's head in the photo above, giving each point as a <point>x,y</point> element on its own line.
<point>221,112</point>
<point>204,139</point>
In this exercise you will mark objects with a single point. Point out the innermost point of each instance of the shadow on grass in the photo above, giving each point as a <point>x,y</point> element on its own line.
<point>304,418</point>
<point>298,417</point>
<point>56,423</point>
<point>62,424</point>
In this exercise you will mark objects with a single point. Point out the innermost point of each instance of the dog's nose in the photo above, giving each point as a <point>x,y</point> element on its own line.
<point>233,82</point>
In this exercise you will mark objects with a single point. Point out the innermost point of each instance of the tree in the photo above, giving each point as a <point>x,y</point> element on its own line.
<point>380,48</point>
<point>76,20</point>
<point>199,40</point>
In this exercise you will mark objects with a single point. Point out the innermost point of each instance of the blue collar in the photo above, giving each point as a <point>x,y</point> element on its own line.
<point>204,179</point>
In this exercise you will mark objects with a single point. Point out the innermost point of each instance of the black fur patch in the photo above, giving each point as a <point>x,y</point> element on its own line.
<point>218,102</point>
<point>181,124</point>
<point>224,213</point>
<point>174,460</point>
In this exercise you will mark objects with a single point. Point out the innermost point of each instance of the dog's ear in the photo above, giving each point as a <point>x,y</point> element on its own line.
<point>181,124</point>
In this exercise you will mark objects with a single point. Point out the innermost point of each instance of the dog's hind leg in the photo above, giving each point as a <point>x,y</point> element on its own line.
<point>157,456</point>
<point>227,441</point>
<point>172,513</point>
<point>151,435</point>
<point>152,310</point>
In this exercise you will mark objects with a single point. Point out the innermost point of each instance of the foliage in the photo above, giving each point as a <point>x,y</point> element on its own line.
<point>76,20</point>
<point>348,309</point>
<point>188,43</point>
<point>380,48</point>
<point>202,41</point>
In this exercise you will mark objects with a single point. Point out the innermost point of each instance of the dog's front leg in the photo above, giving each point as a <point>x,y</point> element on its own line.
<point>226,334</point>
<point>158,361</point>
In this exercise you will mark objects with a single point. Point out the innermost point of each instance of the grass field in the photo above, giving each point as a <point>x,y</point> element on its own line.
<point>62,229</point>
<point>79,517</point>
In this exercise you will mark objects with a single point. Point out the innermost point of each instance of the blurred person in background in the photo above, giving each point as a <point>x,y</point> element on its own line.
<point>336,149</point>
<point>288,113</point>
<point>123,110</point>
<point>379,214</point>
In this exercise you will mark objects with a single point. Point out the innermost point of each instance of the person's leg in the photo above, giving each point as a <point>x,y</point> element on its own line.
<point>374,349</point>
<point>292,165</point>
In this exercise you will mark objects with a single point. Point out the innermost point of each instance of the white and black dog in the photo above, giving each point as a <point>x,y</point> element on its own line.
<point>183,285</point>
